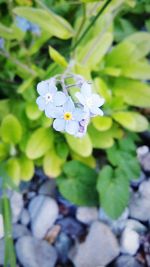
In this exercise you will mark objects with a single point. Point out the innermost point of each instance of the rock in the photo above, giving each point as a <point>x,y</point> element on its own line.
<point>130,241</point>
<point>25,217</point>
<point>86,214</point>
<point>145,162</point>
<point>65,206</point>
<point>139,206</point>
<point>16,202</point>
<point>32,252</point>
<point>2,251</point>
<point>48,188</point>
<point>19,230</point>
<point>71,227</point>
<point>43,212</point>
<point>99,248</point>
<point>142,151</point>
<point>63,245</point>
<point>136,226</point>
<point>53,233</point>
<point>1,226</point>
<point>127,261</point>
<point>118,225</point>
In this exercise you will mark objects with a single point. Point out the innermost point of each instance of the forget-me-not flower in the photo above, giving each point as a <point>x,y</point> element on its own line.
<point>49,98</point>
<point>90,101</point>
<point>22,23</point>
<point>68,118</point>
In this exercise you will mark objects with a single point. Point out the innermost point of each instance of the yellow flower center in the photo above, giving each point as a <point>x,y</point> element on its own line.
<point>67,116</point>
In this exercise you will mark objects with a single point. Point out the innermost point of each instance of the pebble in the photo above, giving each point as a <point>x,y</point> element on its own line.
<point>2,251</point>
<point>99,248</point>
<point>71,227</point>
<point>63,245</point>
<point>43,212</point>
<point>116,226</point>
<point>136,226</point>
<point>130,241</point>
<point>1,226</point>
<point>86,214</point>
<point>145,162</point>
<point>16,202</point>
<point>25,217</point>
<point>48,188</point>
<point>32,252</point>
<point>127,261</point>
<point>19,230</point>
<point>142,151</point>
<point>139,205</point>
<point>53,233</point>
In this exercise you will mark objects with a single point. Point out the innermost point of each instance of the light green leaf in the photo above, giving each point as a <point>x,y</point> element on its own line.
<point>48,21</point>
<point>133,121</point>
<point>81,146</point>
<point>11,129</point>
<point>100,139</point>
<point>89,161</point>
<point>39,143</point>
<point>32,111</point>
<point>25,85</point>
<point>78,184</point>
<point>10,33</point>
<point>102,123</point>
<point>102,89</point>
<point>57,57</point>
<point>4,151</point>
<point>52,164</point>
<point>133,92</point>
<point>137,70</point>
<point>113,190</point>
<point>26,168</point>
<point>13,170</point>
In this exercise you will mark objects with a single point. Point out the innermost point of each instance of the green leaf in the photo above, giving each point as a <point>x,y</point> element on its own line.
<point>100,139</point>
<point>4,151</point>
<point>134,93</point>
<point>57,57</point>
<point>78,184</point>
<point>39,143</point>
<point>48,21</point>
<point>26,168</point>
<point>81,146</point>
<point>52,164</point>
<point>137,70</point>
<point>133,121</point>
<point>113,190</point>
<point>11,129</point>
<point>102,123</point>
<point>102,89</point>
<point>89,161</point>
<point>32,111</point>
<point>62,148</point>
<point>13,170</point>
<point>10,33</point>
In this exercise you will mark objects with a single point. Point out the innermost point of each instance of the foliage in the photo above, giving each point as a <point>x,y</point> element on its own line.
<point>113,54</point>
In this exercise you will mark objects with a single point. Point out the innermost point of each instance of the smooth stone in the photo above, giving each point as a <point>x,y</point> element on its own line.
<point>2,251</point>
<point>139,205</point>
<point>25,217</point>
<point>53,233</point>
<point>19,230</point>
<point>32,252</point>
<point>43,212</point>
<point>99,249</point>
<point>1,226</point>
<point>116,226</point>
<point>145,162</point>
<point>86,214</point>
<point>130,241</point>
<point>48,188</point>
<point>136,226</point>
<point>71,227</point>
<point>16,202</point>
<point>142,151</point>
<point>127,261</point>
<point>63,245</point>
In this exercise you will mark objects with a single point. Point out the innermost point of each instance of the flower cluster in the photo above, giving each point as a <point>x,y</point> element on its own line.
<point>25,25</point>
<point>71,117</point>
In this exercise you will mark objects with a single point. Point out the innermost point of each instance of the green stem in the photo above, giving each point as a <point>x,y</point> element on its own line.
<point>91,24</point>
<point>82,22</point>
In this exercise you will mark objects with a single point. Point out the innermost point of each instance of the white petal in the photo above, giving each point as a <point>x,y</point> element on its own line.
<point>80,97</point>
<point>42,88</point>
<point>96,111</point>
<point>59,125</point>
<point>59,98</point>
<point>41,103</point>
<point>72,127</point>
<point>97,100</point>
<point>86,89</point>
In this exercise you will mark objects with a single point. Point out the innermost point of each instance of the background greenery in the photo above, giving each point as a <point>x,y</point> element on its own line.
<point>113,54</point>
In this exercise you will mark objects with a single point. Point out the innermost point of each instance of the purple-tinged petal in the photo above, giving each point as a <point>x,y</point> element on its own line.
<point>80,97</point>
<point>96,111</point>
<point>78,114</point>
<point>59,125</point>
<point>86,89</point>
<point>69,105</point>
<point>72,127</point>
<point>53,112</point>
<point>42,88</point>
<point>97,100</point>
<point>41,103</point>
<point>59,98</point>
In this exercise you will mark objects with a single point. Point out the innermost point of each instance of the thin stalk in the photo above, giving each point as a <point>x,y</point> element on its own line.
<point>91,24</point>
